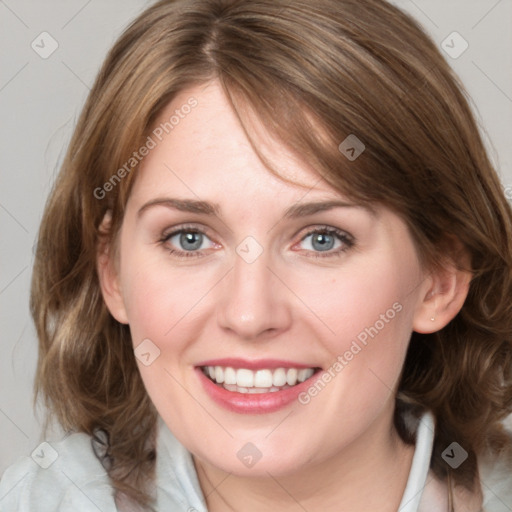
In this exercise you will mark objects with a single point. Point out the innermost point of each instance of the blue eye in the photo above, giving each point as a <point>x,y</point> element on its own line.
<point>187,242</point>
<point>320,242</point>
<point>323,242</point>
<point>330,241</point>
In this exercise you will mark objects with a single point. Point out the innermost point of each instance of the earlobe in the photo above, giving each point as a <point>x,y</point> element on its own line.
<point>108,274</point>
<point>444,298</point>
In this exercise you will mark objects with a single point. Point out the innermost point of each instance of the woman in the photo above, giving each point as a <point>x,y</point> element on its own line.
<point>283,268</point>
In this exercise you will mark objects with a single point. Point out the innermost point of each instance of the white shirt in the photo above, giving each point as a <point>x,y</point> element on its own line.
<point>75,480</point>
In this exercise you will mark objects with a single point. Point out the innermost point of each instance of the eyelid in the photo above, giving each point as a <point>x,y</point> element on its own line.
<point>169,232</point>
<point>323,228</point>
<point>346,238</point>
<point>175,230</point>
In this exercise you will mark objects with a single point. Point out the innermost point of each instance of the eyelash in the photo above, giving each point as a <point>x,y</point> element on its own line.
<point>176,252</point>
<point>346,239</point>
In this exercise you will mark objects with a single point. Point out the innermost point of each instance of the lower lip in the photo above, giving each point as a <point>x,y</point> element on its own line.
<point>247,403</point>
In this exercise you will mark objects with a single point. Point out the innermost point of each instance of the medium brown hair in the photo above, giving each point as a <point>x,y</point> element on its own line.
<point>315,72</point>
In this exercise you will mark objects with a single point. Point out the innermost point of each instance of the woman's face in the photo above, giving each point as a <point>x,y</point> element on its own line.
<point>225,269</point>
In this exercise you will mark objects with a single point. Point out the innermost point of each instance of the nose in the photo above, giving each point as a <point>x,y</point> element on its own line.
<point>254,304</point>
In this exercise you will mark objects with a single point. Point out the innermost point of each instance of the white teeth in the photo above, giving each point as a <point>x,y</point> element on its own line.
<point>252,391</point>
<point>304,374</point>
<point>263,379</point>
<point>219,374</point>
<point>257,390</point>
<point>291,376</point>
<point>243,380</point>
<point>229,376</point>
<point>279,377</point>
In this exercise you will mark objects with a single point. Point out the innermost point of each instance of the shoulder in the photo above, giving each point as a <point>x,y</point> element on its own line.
<point>57,477</point>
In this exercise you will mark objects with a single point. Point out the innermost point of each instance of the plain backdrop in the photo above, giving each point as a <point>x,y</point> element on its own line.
<point>40,99</point>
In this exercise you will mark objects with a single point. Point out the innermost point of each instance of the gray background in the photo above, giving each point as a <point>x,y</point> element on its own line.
<point>40,100</point>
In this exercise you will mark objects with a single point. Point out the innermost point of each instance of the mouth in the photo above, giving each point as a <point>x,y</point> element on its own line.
<point>247,387</point>
<point>267,380</point>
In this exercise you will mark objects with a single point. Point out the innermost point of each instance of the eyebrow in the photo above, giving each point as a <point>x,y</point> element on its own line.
<point>206,208</point>
<point>306,209</point>
<point>183,205</point>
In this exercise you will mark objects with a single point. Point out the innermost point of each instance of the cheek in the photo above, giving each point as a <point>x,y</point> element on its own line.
<point>147,306</point>
<point>359,299</point>
<point>365,314</point>
<point>157,295</point>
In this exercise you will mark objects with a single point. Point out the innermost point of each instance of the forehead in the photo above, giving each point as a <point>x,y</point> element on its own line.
<point>202,149</point>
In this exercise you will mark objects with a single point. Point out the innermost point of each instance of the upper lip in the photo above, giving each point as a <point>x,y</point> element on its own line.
<point>254,364</point>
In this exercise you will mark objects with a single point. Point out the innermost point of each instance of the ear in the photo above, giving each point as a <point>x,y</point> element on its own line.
<point>108,273</point>
<point>445,291</point>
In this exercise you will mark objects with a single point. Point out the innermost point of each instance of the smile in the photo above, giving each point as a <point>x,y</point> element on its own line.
<point>244,380</point>
<point>254,387</point>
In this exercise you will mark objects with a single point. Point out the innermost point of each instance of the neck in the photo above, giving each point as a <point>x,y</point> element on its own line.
<point>370,474</point>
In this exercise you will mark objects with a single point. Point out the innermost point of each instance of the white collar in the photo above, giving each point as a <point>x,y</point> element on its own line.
<point>178,483</point>
<point>417,480</point>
